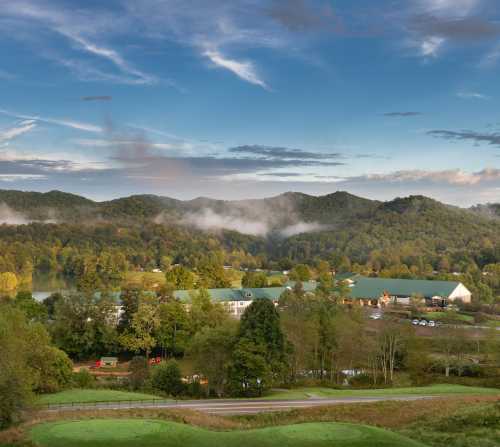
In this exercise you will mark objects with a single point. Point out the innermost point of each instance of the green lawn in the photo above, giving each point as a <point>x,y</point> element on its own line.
<point>102,395</point>
<point>433,390</point>
<point>437,316</point>
<point>90,395</point>
<point>152,433</point>
<point>150,277</point>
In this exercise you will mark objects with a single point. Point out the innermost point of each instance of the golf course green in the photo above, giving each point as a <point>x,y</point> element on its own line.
<point>153,433</point>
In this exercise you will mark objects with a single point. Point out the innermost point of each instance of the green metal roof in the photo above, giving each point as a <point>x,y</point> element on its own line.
<point>363,287</point>
<point>373,288</point>
<point>245,294</point>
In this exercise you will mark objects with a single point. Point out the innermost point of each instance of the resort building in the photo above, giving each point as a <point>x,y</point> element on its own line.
<point>238,299</point>
<point>364,291</point>
<point>382,291</point>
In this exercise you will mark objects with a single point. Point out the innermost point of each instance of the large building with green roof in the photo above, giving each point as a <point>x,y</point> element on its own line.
<point>363,290</point>
<point>382,291</point>
<point>237,299</point>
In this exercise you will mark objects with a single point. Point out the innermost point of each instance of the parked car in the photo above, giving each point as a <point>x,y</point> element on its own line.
<point>431,323</point>
<point>423,323</point>
<point>376,316</point>
<point>415,321</point>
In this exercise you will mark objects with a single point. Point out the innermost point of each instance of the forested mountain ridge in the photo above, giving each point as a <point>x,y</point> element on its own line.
<point>333,211</point>
<point>490,209</point>
<point>66,233</point>
<point>332,208</point>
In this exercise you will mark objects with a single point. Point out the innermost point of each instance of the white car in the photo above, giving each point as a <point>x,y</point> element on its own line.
<point>415,321</point>
<point>376,316</point>
<point>423,323</point>
<point>431,323</point>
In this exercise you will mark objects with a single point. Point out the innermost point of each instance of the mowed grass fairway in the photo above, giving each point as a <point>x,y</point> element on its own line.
<point>153,433</point>
<point>90,395</point>
<point>433,390</point>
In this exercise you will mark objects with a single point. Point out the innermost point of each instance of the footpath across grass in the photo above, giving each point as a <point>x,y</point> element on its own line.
<point>153,433</point>
<point>93,395</point>
<point>432,390</point>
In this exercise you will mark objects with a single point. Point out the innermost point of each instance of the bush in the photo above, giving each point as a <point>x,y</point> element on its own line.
<point>195,389</point>
<point>361,381</point>
<point>167,378</point>
<point>55,373</point>
<point>83,379</point>
<point>139,372</point>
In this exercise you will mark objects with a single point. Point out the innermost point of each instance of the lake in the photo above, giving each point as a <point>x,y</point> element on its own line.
<point>44,285</point>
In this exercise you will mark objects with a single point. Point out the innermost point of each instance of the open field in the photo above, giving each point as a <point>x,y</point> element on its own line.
<point>93,395</point>
<point>151,433</point>
<point>432,390</point>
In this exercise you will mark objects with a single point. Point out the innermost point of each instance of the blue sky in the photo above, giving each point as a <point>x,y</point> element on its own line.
<point>251,98</point>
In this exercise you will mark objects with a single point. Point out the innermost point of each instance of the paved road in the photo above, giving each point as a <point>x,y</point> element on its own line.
<point>234,406</point>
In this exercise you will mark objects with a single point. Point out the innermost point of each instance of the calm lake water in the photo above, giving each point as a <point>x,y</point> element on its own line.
<point>45,285</point>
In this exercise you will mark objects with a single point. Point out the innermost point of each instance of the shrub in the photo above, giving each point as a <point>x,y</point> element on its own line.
<point>139,372</point>
<point>361,381</point>
<point>54,372</point>
<point>83,379</point>
<point>167,378</point>
<point>195,389</point>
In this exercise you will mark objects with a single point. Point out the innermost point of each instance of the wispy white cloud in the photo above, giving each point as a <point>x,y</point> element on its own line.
<point>243,69</point>
<point>456,177</point>
<point>472,95</point>
<point>83,29</point>
<point>77,125</point>
<point>17,177</point>
<point>491,58</point>
<point>16,131</point>
<point>450,8</point>
<point>138,76</point>
<point>430,46</point>
<point>434,23</point>
<point>84,142</point>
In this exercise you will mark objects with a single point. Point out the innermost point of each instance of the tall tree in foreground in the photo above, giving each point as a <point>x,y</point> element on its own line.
<point>390,344</point>
<point>15,375</point>
<point>140,337</point>
<point>211,350</point>
<point>173,330</point>
<point>27,363</point>
<point>259,357</point>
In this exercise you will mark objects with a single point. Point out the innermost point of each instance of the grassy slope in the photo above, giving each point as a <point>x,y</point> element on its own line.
<point>477,426</point>
<point>151,433</point>
<point>90,395</point>
<point>454,421</point>
<point>433,390</point>
<point>436,316</point>
<point>102,395</point>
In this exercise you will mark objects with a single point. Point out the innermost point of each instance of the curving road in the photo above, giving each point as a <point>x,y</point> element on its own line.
<point>232,406</point>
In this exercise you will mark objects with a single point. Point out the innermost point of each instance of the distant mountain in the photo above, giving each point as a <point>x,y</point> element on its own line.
<point>489,210</point>
<point>339,210</point>
<point>414,230</point>
<point>51,205</point>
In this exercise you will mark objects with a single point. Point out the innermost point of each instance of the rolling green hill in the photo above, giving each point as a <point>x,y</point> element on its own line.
<point>134,432</point>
